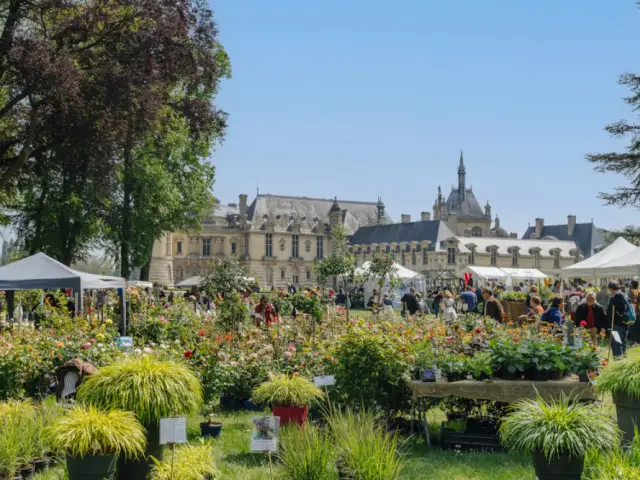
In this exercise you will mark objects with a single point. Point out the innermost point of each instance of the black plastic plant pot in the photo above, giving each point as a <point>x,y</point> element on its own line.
<point>210,429</point>
<point>530,374</point>
<point>41,464</point>
<point>129,469</point>
<point>583,377</point>
<point>507,375</point>
<point>26,473</point>
<point>482,376</point>
<point>628,413</point>
<point>556,375</point>
<point>91,467</point>
<point>558,468</point>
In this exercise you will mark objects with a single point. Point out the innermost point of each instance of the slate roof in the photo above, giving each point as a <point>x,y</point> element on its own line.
<point>469,207</point>
<point>586,235</point>
<point>434,231</point>
<point>354,214</point>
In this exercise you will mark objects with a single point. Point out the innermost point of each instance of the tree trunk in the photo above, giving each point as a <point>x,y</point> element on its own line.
<point>144,270</point>
<point>6,40</point>
<point>27,148</point>
<point>346,291</point>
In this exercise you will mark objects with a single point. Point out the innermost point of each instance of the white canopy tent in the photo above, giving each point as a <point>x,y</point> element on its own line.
<point>197,280</point>
<point>625,266</point>
<point>507,275</point>
<point>41,271</point>
<point>593,266</point>
<point>410,279</point>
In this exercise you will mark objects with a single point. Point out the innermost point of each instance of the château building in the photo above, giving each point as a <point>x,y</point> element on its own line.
<point>277,238</point>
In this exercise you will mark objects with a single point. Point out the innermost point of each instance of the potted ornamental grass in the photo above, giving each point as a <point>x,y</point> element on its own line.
<point>92,440</point>
<point>558,433</point>
<point>189,462</point>
<point>289,396</point>
<point>149,387</point>
<point>622,379</point>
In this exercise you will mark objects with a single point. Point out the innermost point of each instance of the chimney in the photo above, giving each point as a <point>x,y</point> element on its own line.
<point>539,227</point>
<point>571,224</point>
<point>243,205</point>
<point>405,218</point>
<point>425,216</point>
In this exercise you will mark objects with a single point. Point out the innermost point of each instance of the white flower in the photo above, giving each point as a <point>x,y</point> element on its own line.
<point>138,351</point>
<point>147,350</point>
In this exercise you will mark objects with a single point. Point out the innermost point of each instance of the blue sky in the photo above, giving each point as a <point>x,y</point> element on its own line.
<point>355,98</point>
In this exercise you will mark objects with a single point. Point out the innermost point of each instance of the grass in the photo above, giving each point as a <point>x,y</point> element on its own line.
<point>235,461</point>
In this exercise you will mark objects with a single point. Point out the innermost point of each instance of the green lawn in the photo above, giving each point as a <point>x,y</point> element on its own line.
<point>236,462</point>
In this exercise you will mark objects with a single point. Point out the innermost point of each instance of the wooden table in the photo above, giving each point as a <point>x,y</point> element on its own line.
<point>495,390</point>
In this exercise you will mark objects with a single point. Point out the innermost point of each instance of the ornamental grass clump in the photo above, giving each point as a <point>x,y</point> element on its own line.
<point>366,451</point>
<point>307,454</point>
<point>286,391</point>
<point>190,462</point>
<point>149,387</point>
<point>86,430</point>
<point>559,427</point>
<point>621,377</point>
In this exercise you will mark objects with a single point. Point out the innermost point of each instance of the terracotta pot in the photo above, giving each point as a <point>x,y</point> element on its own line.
<point>290,414</point>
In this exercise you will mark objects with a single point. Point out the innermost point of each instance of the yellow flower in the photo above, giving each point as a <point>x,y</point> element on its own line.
<point>108,321</point>
<point>100,336</point>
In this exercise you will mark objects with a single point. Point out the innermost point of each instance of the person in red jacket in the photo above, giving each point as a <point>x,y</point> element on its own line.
<point>266,312</point>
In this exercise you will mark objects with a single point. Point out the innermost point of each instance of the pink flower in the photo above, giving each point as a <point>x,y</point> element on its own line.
<point>583,323</point>
<point>92,341</point>
<point>163,320</point>
<point>86,346</point>
<point>287,355</point>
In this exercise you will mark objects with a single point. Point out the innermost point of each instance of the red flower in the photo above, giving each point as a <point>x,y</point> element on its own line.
<point>188,354</point>
<point>605,363</point>
<point>86,346</point>
<point>478,330</point>
<point>201,333</point>
<point>583,323</point>
<point>227,337</point>
<point>92,341</point>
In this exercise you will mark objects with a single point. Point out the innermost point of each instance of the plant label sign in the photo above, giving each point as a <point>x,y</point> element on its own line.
<point>324,381</point>
<point>124,344</point>
<point>264,436</point>
<point>173,430</point>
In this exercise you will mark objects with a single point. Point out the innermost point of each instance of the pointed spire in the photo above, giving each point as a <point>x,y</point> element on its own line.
<point>461,168</point>
<point>462,189</point>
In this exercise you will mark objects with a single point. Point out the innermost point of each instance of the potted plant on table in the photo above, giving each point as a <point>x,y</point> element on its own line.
<point>622,379</point>
<point>541,354</point>
<point>585,361</point>
<point>558,433</point>
<point>289,396</point>
<point>92,440</point>
<point>152,389</point>
<point>454,367</point>
<point>507,359</point>
<point>562,361</point>
<point>480,366</point>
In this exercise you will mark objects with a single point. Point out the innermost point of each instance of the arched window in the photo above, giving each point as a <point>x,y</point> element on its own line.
<point>476,232</point>
<point>388,249</point>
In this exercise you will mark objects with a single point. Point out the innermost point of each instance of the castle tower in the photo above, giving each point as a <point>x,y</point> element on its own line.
<point>335,214</point>
<point>380,207</point>
<point>462,172</point>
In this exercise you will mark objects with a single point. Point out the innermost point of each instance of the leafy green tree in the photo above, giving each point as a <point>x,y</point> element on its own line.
<point>626,163</point>
<point>382,270</point>
<point>226,277</point>
<point>630,233</point>
<point>340,263</point>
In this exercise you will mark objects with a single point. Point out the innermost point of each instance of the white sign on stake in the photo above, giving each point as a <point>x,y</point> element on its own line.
<point>173,430</point>
<point>324,381</point>
<point>264,437</point>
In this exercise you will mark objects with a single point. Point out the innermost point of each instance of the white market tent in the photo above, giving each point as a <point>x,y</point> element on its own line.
<point>409,279</point>
<point>41,271</point>
<point>625,266</point>
<point>508,275</point>
<point>190,282</point>
<point>593,266</point>
<point>403,272</point>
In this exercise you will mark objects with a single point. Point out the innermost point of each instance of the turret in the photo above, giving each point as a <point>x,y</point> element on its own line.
<point>462,172</point>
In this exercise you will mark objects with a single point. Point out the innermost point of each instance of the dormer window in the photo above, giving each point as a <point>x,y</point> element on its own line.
<point>451,255</point>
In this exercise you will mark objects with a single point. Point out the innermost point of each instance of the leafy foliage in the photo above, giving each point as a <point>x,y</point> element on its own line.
<point>85,430</point>
<point>225,278</point>
<point>287,391</point>
<point>558,427</point>
<point>150,388</point>
<point>621,377</point>
<point>307,453</point>
<point>371,371</point>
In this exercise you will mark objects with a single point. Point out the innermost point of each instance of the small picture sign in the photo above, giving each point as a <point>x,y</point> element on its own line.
<point>324,381</point>
<point>173,430</point>
<point>264,436</point>
<point>124,344</point>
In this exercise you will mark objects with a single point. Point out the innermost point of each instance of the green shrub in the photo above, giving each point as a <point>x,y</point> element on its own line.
<point>85,430</point>
<point>307,453</point>
<point>621,377</point>
<point>558,427</point>
<point>366,451</point>
<point>372,372</point>
<point>286,391</point>
<point>149,387</point>
<point>189,462</point>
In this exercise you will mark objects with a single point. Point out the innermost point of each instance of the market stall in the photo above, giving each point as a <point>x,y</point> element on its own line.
<point>625,266</point>
<point>409,279</point>
<point>507,276</point>
<point>596,266</point>
<point>40,271</point>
